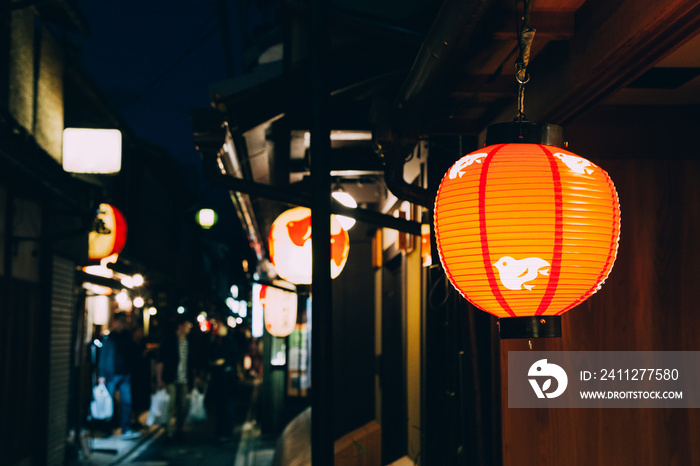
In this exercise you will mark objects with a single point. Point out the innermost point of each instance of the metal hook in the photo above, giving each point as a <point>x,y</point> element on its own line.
<point>521,101</point>
<point>527,78</point>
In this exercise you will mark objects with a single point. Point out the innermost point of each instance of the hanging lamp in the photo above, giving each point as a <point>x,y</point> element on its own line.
<point>279,310</point>
<point>108,235</point>
<point>526,229</point>
<point>289,244</point>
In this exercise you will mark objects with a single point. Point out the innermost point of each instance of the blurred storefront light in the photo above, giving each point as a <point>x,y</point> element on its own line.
<point>232,304</point>
<point>98,309</point>
<point>348,201</point>
<point>97,289</point>
<point>93,151</point>
<point>258,324</point>
<point>123,300</point>
<point>102,270</point>
<point>137,279</point>
<point>127,281</point>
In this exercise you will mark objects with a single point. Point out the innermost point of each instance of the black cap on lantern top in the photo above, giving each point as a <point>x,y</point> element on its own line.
<point>525,132</point>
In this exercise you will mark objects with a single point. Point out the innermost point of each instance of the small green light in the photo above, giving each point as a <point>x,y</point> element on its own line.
<point>207,218</point>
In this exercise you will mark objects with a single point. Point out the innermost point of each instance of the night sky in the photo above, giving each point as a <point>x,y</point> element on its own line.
<point>155,60</point>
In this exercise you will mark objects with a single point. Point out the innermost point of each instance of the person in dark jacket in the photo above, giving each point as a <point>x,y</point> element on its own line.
<point>223,362</point>
<point>116,362</point>
<point>172,373</point>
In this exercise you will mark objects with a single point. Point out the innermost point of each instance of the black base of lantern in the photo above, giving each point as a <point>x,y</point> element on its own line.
<point>525,132</point>
<point>530,327</point>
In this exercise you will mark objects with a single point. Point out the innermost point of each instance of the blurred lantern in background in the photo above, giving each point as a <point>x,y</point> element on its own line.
<point>205,326</point>
<point>98,309</point>
<point>108,235</point>
<point>290,246</point>
<point>526,231</point>
<point>280,310</point>
<point>425,251</point>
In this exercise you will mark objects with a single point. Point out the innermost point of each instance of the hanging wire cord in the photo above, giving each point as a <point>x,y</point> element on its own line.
<point>525,36</point>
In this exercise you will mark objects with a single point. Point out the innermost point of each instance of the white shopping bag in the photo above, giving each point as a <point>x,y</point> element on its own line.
<point>196,413</point>
<point>160,405</point>
<point>101,406</point>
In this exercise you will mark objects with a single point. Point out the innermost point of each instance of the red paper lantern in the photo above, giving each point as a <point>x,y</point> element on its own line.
<point>290,245</point>
<point>526,229</point>
<point>108,235</point>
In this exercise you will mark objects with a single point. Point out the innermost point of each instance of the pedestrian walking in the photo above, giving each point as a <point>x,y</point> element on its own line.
<point>115,366</point>
<point>173,373</point>
<point>223,363</point>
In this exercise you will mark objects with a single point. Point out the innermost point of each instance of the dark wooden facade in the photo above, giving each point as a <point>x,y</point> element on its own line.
<point>648,303</point>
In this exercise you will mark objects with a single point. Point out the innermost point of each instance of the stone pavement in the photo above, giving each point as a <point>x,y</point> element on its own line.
<point>99,449</point>
<point>246,447</point>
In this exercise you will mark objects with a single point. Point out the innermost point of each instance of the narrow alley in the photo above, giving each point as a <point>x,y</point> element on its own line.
<point>247,446</point>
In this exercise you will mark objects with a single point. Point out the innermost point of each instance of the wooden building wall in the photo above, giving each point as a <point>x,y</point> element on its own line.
<point>649,302</point>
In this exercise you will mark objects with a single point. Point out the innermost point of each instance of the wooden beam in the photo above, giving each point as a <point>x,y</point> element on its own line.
<point>454,126</point>
<point>614,43</point>
<point>550,25</point>
<point>485,84</point>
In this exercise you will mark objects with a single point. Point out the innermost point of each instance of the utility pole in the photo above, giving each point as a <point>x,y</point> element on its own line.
<point>321,291</point>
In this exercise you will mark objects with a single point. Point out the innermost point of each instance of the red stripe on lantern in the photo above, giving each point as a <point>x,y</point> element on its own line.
<point>121,231</point>
<point>555,270</point>
<point>484,234</point>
